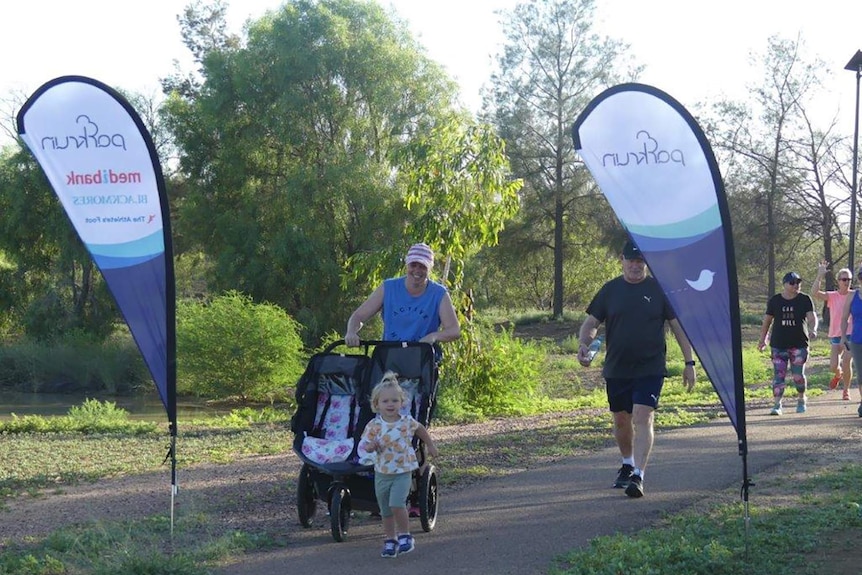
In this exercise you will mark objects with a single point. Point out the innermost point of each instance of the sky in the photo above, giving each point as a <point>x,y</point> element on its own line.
<point>692,50</point>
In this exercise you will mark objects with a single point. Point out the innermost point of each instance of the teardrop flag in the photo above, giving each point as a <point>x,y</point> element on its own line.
<point>102,164</point>
<point>657,170</point>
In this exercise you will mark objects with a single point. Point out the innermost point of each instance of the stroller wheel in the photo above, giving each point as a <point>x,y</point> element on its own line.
<point>339,513</point>
<point>306,503</point>
<point>428,498</point>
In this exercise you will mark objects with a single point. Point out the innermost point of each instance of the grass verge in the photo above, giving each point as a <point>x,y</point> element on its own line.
<point>715,541</point>
<point>143,547</point>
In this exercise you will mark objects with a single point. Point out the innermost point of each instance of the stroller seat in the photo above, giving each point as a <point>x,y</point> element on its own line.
<point>331,438</point>
<point>330,400</point>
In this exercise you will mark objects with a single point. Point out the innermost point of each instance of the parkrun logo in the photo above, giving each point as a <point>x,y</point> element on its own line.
<point>103,177</point>
<point>650,154</point>
<point>88,138</point>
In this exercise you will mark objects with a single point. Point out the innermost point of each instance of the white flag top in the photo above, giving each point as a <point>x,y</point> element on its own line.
<point>99,165</point>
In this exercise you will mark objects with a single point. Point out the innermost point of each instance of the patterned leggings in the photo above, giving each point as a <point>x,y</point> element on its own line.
<point>795,358</point>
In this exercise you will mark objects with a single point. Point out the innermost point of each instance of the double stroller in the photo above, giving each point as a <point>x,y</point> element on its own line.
<point>333,406</point>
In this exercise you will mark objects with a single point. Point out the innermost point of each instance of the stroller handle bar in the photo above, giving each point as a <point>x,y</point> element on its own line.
<point>375,342</point>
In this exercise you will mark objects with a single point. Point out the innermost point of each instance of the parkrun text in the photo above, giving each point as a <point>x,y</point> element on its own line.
<point>90,137</point>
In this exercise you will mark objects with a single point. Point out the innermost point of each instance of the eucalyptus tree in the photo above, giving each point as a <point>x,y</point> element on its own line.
<point>823,197</point>
<point>551,66</point>
<point>764,133</point>
<point>289,144</point>
<point>48,284</point>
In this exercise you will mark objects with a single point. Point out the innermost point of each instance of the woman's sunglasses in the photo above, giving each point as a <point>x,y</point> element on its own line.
<point>844,279</point>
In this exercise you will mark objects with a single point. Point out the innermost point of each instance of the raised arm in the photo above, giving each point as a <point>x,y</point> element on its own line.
<point>816,292</point>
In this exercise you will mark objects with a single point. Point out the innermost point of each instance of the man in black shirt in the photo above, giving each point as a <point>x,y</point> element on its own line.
<point>634,309</point>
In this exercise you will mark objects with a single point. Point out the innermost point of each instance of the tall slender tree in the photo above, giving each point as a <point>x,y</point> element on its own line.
<point>764,133</point>
<point>551,66</point>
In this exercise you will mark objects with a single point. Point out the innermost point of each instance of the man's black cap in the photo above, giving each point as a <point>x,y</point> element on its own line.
<point>631,251</point>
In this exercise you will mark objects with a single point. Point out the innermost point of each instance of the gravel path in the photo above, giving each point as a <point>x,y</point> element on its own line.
<point>254,493</point>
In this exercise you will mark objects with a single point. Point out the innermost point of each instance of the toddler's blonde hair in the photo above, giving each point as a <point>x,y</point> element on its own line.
<point>389,381</point>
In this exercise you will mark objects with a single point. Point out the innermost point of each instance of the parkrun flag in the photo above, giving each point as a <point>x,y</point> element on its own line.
<point>103,166</point>
<point>657,171</point>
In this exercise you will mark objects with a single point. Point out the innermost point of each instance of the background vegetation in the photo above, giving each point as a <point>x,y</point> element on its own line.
<point>303,156</point>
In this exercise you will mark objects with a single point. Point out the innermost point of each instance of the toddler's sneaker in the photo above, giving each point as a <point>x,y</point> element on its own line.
<point>390,549</point>
<point>405,544</point>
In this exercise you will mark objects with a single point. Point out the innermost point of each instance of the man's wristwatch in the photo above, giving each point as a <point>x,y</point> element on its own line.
<point>690,363</point>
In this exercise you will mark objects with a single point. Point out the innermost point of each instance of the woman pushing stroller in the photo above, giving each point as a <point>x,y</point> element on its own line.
<point>414,307</point>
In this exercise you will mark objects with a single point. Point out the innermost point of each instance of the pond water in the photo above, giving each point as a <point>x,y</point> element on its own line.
<point>145,407</point>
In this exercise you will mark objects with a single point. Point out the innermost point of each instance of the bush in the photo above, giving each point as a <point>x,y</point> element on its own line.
<point>490,373</point>
<point>233,347</point>
<point>92,416</point>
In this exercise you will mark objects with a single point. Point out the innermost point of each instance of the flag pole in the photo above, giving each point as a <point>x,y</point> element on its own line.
<point>174,486</point>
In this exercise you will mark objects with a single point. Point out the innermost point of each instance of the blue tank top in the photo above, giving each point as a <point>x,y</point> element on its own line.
<point>408,318</point>
<point>855,311</point>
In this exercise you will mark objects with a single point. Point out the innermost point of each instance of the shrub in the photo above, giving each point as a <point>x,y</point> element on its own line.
<point>233,347</point>
<point>92,416</point>
<point>490,373</point>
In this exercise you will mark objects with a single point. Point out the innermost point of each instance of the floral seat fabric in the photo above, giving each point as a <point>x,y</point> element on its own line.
<point>331,439</point>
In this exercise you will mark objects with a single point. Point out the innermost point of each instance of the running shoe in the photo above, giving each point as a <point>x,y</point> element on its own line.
<point>833,383</point>
<point>405,544</point>
<point>776,410</point>
<point>390,549</point>
<point>846,395</point>
<point>636,487</point>
<point>801,406</point>
<point>624,475</point>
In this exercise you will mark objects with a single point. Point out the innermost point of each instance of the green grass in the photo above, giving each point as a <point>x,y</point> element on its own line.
<point>143,547</point>
<point>97,440</point>
<point>715,541</point>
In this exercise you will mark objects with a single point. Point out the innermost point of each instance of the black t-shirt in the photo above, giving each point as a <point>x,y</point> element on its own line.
<point>789,328</point>
<point>634,316</point>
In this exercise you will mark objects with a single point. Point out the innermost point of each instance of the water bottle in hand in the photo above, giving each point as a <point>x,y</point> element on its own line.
<point>594,348</point>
